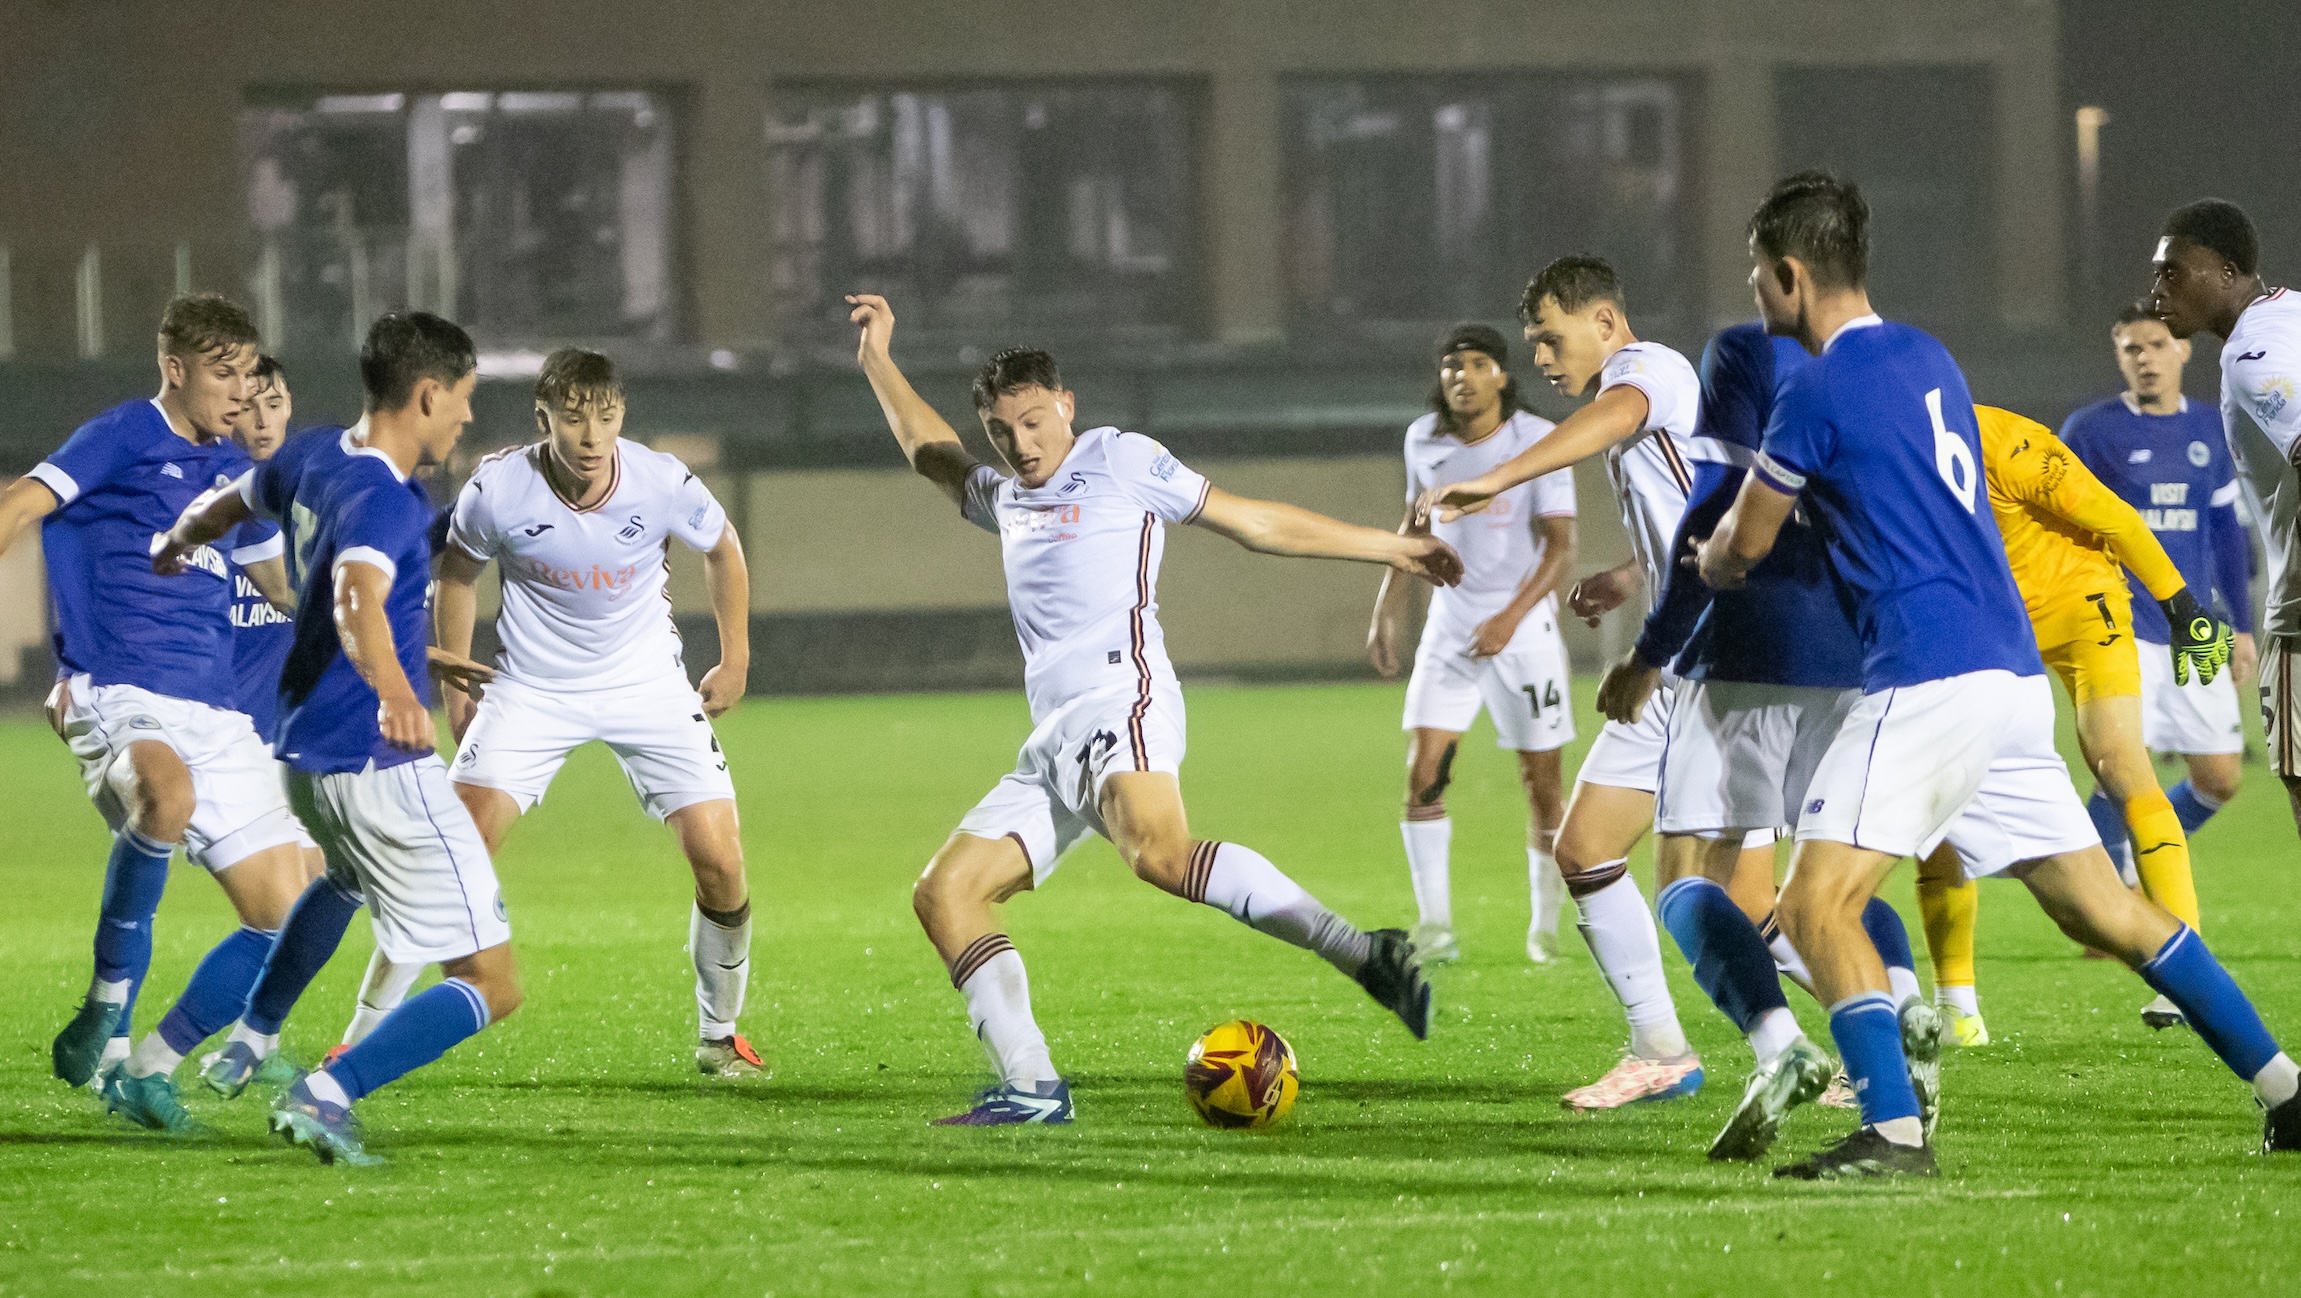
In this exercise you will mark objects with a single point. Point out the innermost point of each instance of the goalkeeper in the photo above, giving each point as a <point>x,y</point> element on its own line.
<point>2066,536</point>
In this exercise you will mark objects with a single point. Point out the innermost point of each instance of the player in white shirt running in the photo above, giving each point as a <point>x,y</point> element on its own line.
<point>1491,642</point>
<point>2208,279</point>
<point>1644,401</point>
<point>579,526</point>
<point>1080,526</point>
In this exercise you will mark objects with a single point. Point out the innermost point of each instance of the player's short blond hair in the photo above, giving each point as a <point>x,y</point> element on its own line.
<point>577,376</point>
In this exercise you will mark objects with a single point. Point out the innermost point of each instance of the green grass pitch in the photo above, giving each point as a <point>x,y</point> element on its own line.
<point>574,1151</point>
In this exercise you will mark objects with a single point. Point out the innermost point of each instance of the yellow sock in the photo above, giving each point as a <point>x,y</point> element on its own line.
<point>1949,903</point>
<point>2161,855</point>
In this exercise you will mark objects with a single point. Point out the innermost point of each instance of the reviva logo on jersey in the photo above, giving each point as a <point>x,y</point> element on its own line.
<point>592,578</point>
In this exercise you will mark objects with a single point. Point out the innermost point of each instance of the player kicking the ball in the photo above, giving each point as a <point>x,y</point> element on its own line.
<point>1491,642</point>
<point>579,525</point>
<point>1080,524</point>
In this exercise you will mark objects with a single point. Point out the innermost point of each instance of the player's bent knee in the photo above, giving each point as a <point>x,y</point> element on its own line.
<point>969,871</point>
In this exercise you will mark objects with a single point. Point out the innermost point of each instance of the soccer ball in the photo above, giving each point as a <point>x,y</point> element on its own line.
<point>1241,1074</point>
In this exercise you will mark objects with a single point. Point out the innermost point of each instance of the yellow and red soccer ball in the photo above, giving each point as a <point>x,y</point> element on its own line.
<point>1241,1074</point>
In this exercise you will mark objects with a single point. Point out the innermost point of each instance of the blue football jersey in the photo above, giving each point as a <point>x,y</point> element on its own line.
<point>121,481</point>
<point>1791,625</point>
<point>261,634</point>
<point>342,501</point>
<point>2176,470</point>
<point>1877,437</point>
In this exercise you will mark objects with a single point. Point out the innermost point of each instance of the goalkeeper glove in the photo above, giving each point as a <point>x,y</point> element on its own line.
<point>2197,638</point>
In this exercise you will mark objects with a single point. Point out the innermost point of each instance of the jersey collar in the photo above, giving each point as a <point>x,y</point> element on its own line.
<point>2135,406</point>
<point>1870,321</point>
<point>355,442</point>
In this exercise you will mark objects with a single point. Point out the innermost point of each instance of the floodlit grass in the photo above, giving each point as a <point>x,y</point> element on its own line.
<point>573,1150</point>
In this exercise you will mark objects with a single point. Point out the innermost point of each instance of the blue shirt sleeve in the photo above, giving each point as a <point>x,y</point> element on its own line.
<point>1731,388</point>
<point>1684,596</point>
<point>387,524</point>
<point>1800,438</point>
<point>96,452</point>
<point>2232,551</point>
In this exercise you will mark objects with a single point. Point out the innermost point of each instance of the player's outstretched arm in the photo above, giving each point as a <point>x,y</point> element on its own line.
<point>1616,416</point>
<point>1270,527</point>
<point>729,579</point>
<point>1744,536</point>
<point>25,502</point>
<point>211,515</point>
<point>365,630</point>
<point>1387,636</point>
<point>934,451</point>
<point>270,578</point>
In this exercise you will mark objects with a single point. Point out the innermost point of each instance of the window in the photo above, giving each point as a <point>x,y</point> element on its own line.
<point>526,216</point>
<point>1063,206</point>
<point>1436,198</point>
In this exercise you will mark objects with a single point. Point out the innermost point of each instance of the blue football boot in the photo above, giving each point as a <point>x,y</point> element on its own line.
<point>1008,1105</point>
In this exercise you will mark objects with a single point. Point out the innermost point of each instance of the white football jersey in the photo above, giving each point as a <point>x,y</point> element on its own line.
<point>1649,470</point>
<point>584,602</point>
<point>1502,544</point>
<point>2261,415</point>
<point>1082,558</point>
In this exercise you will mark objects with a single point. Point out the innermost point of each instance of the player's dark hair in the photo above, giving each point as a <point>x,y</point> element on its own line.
<point>1574,283</point>
<point>1472,337</point>
<point>577,376</point>
<point>2221,228</point>
<point>202,324</point>
<point>1013,370</point>
<point>268,373</point>
<point>407,347</point>
<point>1822,221</point>
<point>2134,313</point>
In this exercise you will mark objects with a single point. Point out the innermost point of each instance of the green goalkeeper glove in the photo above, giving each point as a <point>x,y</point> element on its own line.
<point>2197,638</point>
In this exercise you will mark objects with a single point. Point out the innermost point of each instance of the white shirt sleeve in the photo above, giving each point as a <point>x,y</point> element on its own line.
<point>979,502</point>
<point>1669,399</point>
<point>697,519</point>
<point>471,528</point>
<point>2267,385</point>
<point>1166,486</point>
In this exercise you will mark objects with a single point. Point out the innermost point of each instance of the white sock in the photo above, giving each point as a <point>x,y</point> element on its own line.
<point>1776,1031</point>
<point>1620,930</point>
<point>114,992</point>
<point>1792,965</point>
<point>1428,844</point>
<point>381,992</point>
<point>1965,1000</point>
<point>323,1086</point>
<point>1549,889</point>
<point>1242,882</point>
<point>260,1043</point>
<point>722,969</point>
<point>989,973</point>
<point>1903,984</point>
<point>1903,1131</point>
<point>153,1055</point>
<point>2277,1081</point>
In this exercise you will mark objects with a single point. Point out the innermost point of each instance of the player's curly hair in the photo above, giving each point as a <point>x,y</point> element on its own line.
<point>577,376</point>
<point>1013,370</point>
<point>1823,221</point>
<point>1573,282</point>
<point>202,324</point>
<point>2221,228</point>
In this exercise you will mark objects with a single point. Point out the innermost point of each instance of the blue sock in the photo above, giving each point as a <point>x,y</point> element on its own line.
<point>314,929</point>
<point>2191,978</point>
<point>2109,822</point>
<point>1869,1037</point>
<point>219,987</point>
<point>419,1031</point>
<point>1730,960</point>
<point>1889,935</point>
<point>2190,806</point>
<point>134,877</point>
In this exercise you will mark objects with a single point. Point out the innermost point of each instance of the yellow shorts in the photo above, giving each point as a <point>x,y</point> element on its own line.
<point>2088,642</point>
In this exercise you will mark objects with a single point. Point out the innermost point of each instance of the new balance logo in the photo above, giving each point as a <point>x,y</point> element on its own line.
<point>537,530</point>
<point>171,471</point>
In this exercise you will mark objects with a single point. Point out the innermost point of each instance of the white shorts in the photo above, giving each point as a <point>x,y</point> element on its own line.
<point>2281,703</point>
<point>402,836</point>
<point>1053,797</point>
<point>1630,756</point>
<point>1969,759</point>
<point>1739,756</point>
<point>2192,718</point>
<point>1526,691</point>
<point>240,806</point>
<point>522,734</point>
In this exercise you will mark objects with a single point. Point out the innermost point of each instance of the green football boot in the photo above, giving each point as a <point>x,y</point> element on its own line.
<point>150,1102</point>
<point>1797,1076</point>
<point>79,1048</point>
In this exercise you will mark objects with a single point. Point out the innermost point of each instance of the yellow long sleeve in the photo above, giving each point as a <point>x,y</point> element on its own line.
<point>2029,465</point>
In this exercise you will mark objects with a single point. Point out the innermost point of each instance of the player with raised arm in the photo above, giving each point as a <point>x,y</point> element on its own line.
<point>1490,643</point>
<point>1641,417</point>
<point>145,701</point>
<point>1952,739</point>
<point>1080,526</point>
<point>2066,537</point>
<point>356,726</point>
<point>2209,280</point>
